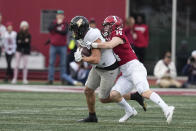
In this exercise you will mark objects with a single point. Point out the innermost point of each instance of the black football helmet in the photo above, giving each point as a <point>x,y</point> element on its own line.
<point>79,25</point>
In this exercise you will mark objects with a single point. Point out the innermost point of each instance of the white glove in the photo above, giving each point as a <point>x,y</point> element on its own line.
<point>88,45</point>
<point>84,44</point>
<point>78,55</point>
<point>80,41</point>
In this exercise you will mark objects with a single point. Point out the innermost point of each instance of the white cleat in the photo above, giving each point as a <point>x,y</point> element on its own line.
<point>169,114</point>
<point>14,81</point>
<point>25,82</point>
<point>128,115</point>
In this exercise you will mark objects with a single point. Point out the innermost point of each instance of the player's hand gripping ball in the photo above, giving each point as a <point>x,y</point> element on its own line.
<point>78,55</point>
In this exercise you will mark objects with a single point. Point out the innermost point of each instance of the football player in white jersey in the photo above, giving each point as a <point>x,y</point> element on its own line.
<point>104,71</point>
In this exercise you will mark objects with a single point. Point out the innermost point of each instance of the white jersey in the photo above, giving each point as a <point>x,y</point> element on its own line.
<point>2,31</point>
<point>9,41</point>
<point>107,56</point>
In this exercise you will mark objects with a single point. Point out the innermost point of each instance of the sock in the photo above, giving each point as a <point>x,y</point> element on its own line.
<point>125,105</point>
<point>92,114</point>
<point>134,96</point>
<point>157,100</point>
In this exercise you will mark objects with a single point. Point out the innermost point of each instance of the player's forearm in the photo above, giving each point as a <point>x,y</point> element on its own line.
<point>105,45</point>
<point>91,59</point>
<point>108,45</point>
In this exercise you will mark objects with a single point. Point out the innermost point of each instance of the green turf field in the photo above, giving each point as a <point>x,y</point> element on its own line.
<point>59,111</point>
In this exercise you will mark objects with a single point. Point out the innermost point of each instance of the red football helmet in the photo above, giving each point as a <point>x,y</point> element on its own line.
<point>110,24</point>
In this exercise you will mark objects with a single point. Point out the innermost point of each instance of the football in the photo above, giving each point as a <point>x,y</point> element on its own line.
<point>86,51</point>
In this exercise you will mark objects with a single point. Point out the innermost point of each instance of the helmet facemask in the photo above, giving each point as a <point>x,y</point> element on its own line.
<point>107,29</point>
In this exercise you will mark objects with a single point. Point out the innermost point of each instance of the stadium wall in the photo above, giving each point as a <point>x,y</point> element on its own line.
<point>30,10</point>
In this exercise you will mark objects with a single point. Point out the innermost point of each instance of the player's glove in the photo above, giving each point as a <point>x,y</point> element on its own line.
<point>78,55</point>
<point>84,44</point>
<point>90,44</point>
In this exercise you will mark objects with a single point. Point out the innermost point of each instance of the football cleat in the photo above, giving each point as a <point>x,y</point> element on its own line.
<point>169,114</point>
<point>128,115</point>
<point>89,119</point>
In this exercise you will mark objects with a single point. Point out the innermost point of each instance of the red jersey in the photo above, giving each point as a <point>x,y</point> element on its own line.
<point>58,33</point>
<point>123,52</point>
<point>142,35</point>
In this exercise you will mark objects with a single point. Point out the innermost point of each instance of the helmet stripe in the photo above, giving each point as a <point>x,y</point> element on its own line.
<point>115,19</point>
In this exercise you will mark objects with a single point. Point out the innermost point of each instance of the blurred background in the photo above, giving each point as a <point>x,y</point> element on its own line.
<point>155,15</point>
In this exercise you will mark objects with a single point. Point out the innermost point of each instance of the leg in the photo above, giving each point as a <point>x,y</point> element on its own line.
<point>91,85</point>
<point>108,79</point>
<point>139,80</point>
<point>90,99</point>
<point>70,59</point>
<point>137,97</point>
<point>175,83</point>
<point>51,63</point>
<point>25,70</point>
<point>153,96</point>
<point>63,74</point>
<point>11,70</point>
<point>70,80</point>
<point>168,110</point>
<point>17,60</point>
<point>8,67</point>
<point>63,54</point>
<point>121,87</point>
<point>164,83</point>
<point>10,73</point>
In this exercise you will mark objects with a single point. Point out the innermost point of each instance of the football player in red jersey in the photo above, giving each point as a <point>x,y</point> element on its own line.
<point>133,72</point>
